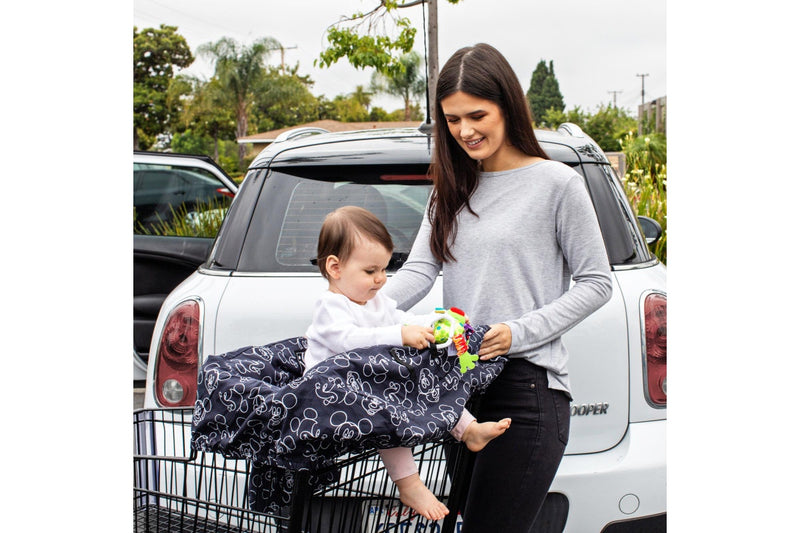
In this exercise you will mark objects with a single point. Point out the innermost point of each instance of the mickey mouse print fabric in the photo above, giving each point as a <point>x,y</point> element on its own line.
<point>255,403</point>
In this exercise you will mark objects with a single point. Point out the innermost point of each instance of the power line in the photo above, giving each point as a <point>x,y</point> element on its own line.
<point>203,23</point>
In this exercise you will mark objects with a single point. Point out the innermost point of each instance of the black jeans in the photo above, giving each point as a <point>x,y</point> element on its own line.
<point>513,473</point>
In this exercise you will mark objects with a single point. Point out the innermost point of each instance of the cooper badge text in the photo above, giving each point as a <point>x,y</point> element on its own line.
<point>589,409</point>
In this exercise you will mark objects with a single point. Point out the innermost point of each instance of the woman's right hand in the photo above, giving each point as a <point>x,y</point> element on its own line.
<point>418,337</point>
<point>497,341</point>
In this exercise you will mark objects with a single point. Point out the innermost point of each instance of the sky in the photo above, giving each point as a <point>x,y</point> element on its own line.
<point>598,48</point>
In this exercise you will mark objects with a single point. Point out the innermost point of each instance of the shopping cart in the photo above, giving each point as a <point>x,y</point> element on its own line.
<point>177,489</point>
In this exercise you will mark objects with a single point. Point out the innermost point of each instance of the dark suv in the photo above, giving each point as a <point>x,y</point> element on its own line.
<point>258,286</point>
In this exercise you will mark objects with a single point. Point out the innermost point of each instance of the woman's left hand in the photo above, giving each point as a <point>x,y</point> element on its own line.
<point>497,341</point>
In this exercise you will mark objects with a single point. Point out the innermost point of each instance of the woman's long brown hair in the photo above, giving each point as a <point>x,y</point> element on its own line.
<point>483,72</point>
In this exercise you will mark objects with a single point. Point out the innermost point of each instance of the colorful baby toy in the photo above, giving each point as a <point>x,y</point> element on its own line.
<point>453,327</point>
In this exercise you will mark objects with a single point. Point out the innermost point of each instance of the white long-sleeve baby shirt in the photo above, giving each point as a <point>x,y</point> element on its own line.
<point>339,324</point>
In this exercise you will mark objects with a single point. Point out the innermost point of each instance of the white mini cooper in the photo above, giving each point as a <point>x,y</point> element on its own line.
<point>258,286</point>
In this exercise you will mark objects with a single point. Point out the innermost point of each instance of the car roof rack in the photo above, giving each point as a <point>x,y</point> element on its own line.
<point>573,130</point>
<point>299,132</point>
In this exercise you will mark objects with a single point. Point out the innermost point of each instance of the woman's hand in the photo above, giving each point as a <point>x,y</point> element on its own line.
<point>418,337</point>
<point>497,341</point>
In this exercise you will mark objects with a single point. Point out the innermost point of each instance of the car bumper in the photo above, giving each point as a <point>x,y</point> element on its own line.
<point>619,485</point>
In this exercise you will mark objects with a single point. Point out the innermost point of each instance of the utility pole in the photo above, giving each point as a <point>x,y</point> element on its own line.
<point>283,63</point>
<point>283,52</point>
<point>614,93</point>
<point>641,107</point>
<point>433,54</point>
<point>643,76</point>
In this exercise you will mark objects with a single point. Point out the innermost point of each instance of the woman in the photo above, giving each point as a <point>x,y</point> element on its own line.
<point>508,228</point>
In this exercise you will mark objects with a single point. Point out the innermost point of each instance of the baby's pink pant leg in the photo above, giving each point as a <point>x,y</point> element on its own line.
<point>399,462</point>
<point>464,420</point>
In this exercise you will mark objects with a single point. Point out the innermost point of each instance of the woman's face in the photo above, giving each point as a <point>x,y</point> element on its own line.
<point>479,128</point>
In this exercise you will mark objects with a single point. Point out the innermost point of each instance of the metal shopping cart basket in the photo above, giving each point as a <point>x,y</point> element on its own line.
<point>177,489</point>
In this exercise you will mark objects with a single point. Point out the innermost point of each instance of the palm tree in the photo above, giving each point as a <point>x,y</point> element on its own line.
<point>361,96</point>
<point>408,84</point>
<point>239,69</point>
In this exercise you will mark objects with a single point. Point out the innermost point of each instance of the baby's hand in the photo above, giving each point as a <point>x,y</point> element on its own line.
<point>418,337</point>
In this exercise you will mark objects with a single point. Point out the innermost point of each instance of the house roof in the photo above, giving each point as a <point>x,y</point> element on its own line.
<point>330,125</point>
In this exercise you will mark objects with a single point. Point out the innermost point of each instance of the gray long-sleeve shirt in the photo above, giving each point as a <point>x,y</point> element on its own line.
<point>536,229</point>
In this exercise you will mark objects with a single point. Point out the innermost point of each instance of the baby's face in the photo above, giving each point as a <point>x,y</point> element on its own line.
<point>364,273</point>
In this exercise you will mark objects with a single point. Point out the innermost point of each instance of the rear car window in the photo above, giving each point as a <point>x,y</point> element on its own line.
<point>624,243</point>
<point>400,208</point>
<point>286,222</point>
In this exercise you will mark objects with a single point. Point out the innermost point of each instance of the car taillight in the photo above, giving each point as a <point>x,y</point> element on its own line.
<point>655,342</point>
<point>178,354</point>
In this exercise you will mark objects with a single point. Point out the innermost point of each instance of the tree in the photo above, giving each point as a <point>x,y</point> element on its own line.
<point>284,100</point>
<point>607,126</point>
<point>239,70</point>
<point>361,96</point>
<point>348,109</point>
<point>157,55</point>
<point>407,84</point>
<point>378,114</point>
<point>544,93</point>
<point>207,110</point>
<point>365,40</point>
<point>553,118</point>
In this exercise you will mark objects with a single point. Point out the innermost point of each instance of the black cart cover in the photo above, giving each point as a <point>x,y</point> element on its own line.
<point>255,403</point>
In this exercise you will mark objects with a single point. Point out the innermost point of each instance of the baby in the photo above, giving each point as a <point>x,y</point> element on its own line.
<point>353,252</point>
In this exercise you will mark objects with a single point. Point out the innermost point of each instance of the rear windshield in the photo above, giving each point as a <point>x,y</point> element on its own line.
<point>285,226</point>
<point>282,234</point>
<point>400,207</point>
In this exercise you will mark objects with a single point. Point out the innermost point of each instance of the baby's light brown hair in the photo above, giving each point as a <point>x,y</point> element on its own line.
<point>341,231</point>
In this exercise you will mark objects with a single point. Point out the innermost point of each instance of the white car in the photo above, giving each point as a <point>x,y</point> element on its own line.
<point>258,286</point>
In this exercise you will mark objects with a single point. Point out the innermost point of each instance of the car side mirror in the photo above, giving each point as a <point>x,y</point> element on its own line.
<point>651,228</point>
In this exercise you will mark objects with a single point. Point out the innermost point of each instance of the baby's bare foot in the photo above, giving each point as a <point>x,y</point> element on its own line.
<point>477,435</point>
<point>416,495</point>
